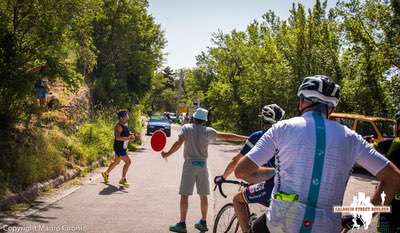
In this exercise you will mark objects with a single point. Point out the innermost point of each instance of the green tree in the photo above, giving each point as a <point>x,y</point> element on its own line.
<point>264,64</point>
<point>129,49</point>
<point>364,58</point>
<point>164,96</point>
<point>40,33</point>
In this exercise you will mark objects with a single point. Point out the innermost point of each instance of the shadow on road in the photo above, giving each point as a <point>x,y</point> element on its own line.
<point>140,150</point>
<point>233,150</point>
<point>39,218</point>
<point>110,189</point>
<point>10,222</point>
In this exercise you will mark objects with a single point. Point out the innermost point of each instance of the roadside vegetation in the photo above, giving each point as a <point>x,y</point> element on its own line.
<point>98,56</point>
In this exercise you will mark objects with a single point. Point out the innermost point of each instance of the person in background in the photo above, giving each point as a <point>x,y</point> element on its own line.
<point>42,88</point>
<point>196,137</point>
<point>260,189</point>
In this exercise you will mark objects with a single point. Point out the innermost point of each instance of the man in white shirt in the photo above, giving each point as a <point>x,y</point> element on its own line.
<point>314,157</point>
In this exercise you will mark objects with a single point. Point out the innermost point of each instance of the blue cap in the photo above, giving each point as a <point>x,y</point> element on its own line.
<point>200,114</point>
<point>122,114</point>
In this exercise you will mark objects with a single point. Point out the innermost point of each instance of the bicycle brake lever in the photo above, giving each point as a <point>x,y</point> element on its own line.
<point>220,190</point>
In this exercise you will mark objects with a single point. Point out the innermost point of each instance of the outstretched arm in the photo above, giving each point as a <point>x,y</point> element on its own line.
<point>231,166</point>
<point>175,147</point>
<point>231,137</point>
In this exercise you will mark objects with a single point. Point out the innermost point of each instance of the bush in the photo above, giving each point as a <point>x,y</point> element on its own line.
<point>95,140</point>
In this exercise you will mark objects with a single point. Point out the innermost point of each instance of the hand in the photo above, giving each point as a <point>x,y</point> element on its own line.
<point>219,180</point>
<point>164,154</point>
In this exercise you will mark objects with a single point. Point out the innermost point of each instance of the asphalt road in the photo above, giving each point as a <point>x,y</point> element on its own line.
<point>148,206</point>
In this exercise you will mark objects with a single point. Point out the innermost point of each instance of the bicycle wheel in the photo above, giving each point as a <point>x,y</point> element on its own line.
<point>226,221</point>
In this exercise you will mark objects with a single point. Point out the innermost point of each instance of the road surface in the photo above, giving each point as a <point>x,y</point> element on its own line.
<point>148,206</point>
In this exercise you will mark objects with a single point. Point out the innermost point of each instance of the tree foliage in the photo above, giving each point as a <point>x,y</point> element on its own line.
<point>164,95</point>
<point>129,49</point>
<point>354,43</point>
<point>115,46</point>
<point>38,33</point>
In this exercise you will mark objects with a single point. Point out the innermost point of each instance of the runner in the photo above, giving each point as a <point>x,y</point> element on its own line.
<point>260,191</point>
<point>196,137</point>
<point>122,138</point>
<point>390,222</point>
<point>313,164</point>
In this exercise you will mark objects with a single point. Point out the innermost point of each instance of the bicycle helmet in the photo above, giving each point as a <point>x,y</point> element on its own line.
<point>272,113</point>
<point>320,89</point>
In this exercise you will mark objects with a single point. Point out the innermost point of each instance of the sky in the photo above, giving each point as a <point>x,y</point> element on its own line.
<point>189,24</point>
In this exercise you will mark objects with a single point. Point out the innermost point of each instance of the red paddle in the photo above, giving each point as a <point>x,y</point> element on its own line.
<point>158,140</point>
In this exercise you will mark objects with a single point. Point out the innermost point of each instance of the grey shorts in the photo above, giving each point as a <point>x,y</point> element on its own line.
<point>194,172</point>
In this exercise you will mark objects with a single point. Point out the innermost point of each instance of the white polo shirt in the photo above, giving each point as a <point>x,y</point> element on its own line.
<point>295,139</point>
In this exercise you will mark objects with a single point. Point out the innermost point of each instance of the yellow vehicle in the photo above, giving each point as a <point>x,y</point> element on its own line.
<point>374,129</point>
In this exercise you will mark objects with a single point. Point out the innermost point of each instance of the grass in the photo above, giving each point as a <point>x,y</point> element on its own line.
<point>94,140</point>
<point>36,154</point>
<point>75,181</point>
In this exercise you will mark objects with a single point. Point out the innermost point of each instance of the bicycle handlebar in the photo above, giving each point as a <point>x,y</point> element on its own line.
<point>219,184</point>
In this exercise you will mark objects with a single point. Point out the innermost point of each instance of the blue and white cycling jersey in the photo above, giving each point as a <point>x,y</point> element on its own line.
<point>251,141</point>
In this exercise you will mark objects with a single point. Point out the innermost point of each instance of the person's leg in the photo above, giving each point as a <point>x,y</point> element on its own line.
<point>241,211</point>
<point>128,162</point>
<point>260,225</point>
<point>184,206</point>
<point>42,101</point>
<point>203,189</point>
<point>185,190</point>
<point>114,163</point>
<point>181,225</point>
<point>259,193</point>
<point>204,207</point>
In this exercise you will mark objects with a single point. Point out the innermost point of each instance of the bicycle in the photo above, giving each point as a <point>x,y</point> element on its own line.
<point>227,212</point>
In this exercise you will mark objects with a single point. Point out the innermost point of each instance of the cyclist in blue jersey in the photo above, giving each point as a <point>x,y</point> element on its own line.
<point>260,191</point>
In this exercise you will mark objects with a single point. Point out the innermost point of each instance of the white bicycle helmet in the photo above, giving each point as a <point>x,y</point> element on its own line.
<point>320,89</point>
<point>272,113</point>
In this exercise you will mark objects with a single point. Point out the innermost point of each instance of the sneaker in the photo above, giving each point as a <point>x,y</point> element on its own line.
<point>105,177</point>
<point>124,182</point>
<point>180,227</point>
<point>201,225</point>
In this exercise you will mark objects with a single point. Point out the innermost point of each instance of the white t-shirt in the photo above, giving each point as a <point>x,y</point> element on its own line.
<point>295,139</point>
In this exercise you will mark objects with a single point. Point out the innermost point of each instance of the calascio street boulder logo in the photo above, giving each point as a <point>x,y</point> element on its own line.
<point>361,208</point>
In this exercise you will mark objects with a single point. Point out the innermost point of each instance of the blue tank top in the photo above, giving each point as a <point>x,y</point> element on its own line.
<point>119,145</point>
